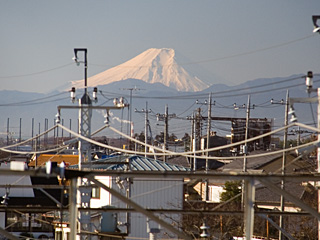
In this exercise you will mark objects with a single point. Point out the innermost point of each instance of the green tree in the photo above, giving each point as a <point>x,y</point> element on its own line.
<point>231,189</point>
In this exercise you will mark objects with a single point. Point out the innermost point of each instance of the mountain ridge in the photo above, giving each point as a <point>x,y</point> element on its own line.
<point>152,66</point>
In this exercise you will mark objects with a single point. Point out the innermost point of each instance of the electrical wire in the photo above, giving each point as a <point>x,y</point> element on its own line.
<point>187,154</point>
<point>220,58</point>
<point>36,73</point>
<point>34,101</point>
<point>224,93</point>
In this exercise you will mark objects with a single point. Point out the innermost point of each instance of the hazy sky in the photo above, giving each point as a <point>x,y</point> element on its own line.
<point>235,40</point>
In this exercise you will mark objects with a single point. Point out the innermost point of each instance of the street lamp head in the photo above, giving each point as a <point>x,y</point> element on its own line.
<point>316,29</point>
<point>316,26</point>
<point>75,59</point>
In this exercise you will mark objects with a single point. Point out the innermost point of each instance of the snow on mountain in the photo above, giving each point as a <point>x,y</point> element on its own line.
<point>152,66</point>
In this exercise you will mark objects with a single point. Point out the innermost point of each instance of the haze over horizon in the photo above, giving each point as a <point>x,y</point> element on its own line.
<point>233,41</point>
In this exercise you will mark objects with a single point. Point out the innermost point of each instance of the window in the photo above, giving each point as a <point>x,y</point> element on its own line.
<point>95,192</point>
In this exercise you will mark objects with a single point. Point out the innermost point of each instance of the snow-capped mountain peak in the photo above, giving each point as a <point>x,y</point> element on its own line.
<point>152,66</point>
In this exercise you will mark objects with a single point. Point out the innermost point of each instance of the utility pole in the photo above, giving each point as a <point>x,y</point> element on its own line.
<point>209,103</point>
<point>32,129</point>
<point>130,107</point>
<point>146,123</point>
<point>20,125</point>
<point>192,143</point>
<point>195,140</point>
<point>208,146</point>
<point>245,149</point>
<point>248,190</point>
<point>146,129</point>
<point>309,84</point>
<point>284,159</point>
<point>70,125</point>
<point>166,133</point>
<point>46,126</point>
<point>8,130</point>
<point>165,117</point>
<point>196,135</point>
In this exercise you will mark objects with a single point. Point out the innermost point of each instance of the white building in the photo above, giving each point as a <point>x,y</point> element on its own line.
<point>150,193</point>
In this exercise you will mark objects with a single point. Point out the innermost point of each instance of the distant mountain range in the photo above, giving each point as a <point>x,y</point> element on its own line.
<point>152,66</point>
<point>155,77</point>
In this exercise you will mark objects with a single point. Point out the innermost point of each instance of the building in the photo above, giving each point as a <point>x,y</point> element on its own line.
<point>153,193</point>
<point>25,208</point>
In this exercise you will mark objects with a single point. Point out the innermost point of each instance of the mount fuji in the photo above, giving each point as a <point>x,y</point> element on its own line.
<point>152,66</point>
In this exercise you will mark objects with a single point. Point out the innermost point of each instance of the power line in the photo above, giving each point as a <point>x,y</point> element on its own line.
<point>36,73</point>
<point>233,92</point>
<point>190,153</point>
<point>35,101</point>
<point>220,58</point>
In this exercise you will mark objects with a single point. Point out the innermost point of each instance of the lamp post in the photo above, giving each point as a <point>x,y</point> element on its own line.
<point>84,147</point>
<point>85,113</point>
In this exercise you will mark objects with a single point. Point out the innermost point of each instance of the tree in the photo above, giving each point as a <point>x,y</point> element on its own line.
<point>231,189</point>
<point>172,137</point>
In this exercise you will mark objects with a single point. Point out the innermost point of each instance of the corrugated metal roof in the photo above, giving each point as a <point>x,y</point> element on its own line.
<point>252,163</point>
<point>134,163</point>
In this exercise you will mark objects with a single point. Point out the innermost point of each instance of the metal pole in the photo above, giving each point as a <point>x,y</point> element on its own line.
<point>8,130</point>
<point>318,160</point>
<point>39,139</point>
<point>245,150</point>
<point>32,129</point>
<point>208,146</point>
<point>130,113</point>
<point>146,130</point>
<point>46,126</point>
<point>194,143</point>
<point>54,131</point>
<point>165,140</point>
<point>284,157</point>
<point>20,129</point>
<point>70,127</point>
<point>62,123</point>
<point>245,183</point>
<point>249,208</point>
<point>84,148</point>
<point>73,208</point>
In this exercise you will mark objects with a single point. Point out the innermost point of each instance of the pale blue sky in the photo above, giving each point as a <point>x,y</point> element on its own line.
<point>38,35</point>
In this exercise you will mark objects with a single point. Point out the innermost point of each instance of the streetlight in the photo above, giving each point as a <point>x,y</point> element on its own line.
<point>85,98</point>
<point>316,26</point>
